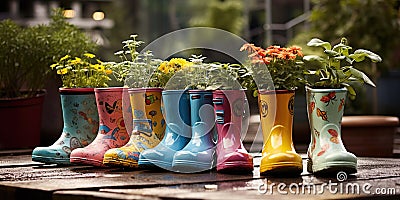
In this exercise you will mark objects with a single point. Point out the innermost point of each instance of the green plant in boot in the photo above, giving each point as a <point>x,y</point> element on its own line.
<point>336,68</point>
<point>327,86</point>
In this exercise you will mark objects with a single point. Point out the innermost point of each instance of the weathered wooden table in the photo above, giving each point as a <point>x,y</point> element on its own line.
<point>20,178</point>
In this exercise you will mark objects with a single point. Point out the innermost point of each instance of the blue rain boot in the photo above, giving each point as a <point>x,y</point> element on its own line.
<point>199,154</point>
<point>81,123</point>
<point>177,133</point>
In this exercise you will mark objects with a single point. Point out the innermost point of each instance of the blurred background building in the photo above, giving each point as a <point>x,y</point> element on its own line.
<point>86,14</point>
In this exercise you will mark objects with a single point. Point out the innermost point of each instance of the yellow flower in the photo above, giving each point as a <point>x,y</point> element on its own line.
<point>108,71</point>
<point>76,61</point>
<point>163,67</point>
<point>178,61</point>
<point>89,55</point>
<point>179,64</point>
<point>64,58</point>
<point>98,67</point>
<point>62,71</point>
<point>53,65</point>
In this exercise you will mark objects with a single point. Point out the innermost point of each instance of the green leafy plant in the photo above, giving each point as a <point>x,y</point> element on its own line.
<point>166,70</point>
<point>82,72</point>
<point>281,66</point>
<point>27,52</point>
<point>198,73</point>
<point>335,69</point>
<point>206,76</point>
<point>194,75</point>
<point>227,76</point>
<point>135,69</point>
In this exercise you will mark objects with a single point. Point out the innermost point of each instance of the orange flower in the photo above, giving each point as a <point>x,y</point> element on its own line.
<point>258,54</point>
<point>248,47</point>
<point>273,51</point>
<point>267,60</point>
<point>296,50</point>
<point>262,52</point>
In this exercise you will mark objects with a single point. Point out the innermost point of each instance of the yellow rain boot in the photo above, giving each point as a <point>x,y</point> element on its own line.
<point>278,154</point>
<point>148,128</point>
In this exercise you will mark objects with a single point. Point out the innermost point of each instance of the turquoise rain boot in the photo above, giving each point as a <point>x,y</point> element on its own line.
<point>177,133</point>
<point>199,154</point>
<point>81,123</point>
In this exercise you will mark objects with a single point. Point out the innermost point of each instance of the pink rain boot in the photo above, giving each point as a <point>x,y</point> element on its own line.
<point>112,132</point>
<point>231,155</point>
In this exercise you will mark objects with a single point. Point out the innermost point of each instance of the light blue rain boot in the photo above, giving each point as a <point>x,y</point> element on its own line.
<point>199,154</point>
<point>81,123</point>
<point>177,133</point>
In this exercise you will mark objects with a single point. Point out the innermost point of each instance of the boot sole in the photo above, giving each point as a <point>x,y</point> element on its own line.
<point>190,166</point>
<point>154,164</point>
<point>109,161</point>
<point>331,168</point>
<point>86,161</point>
<point>288,169</point>
<point>237,167</point>
<point>51,160</point>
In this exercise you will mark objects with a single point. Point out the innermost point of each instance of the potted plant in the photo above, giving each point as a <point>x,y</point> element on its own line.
<point>277,72</point>
<point>25,57</point>
<point>328,84</point>
<point>170,76</point>
<point>230,107</point>
<point>199,152</point>
<point>148,125</point>
<point>79,75</point>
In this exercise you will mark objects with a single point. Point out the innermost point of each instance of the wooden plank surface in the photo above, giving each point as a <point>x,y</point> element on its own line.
<point>21,178</point>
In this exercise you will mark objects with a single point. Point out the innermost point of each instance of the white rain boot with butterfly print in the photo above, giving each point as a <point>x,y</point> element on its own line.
<point>326,152</point>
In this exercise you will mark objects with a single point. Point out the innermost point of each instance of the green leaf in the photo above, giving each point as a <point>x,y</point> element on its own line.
<point>331,53</point>
<point>255,93</point>
<point>241,71</point>
<point>349,60</point>
<point>340,57</point>
<point>315,42</point>
<point>341,47</point>
<point>351,91</point>
<point>314,58</point>
<point>361,76</point>
<point>341,74</point>
<point>310,72</point>
<point>357,56</point>
<point>373,56</point>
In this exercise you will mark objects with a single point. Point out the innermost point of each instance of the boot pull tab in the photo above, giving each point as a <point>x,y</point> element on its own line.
<point>218,101</point>
<point>220,116</point>
<point>196,96</point>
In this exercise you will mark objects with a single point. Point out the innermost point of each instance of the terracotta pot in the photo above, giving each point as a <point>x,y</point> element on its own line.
<point>370,135</point>
<point>20,121</point>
